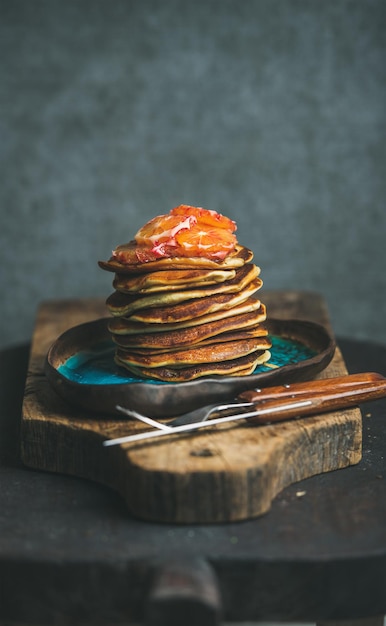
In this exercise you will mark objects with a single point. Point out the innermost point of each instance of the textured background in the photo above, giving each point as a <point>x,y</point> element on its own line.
<point>270,111</point>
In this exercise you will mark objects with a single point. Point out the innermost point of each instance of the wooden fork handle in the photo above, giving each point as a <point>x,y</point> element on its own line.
<point>341,383</point>
<point>319,396</point>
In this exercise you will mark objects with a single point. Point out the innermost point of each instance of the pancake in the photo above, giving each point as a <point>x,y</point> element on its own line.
<point>193,309</point>
<point>252,332</point>
<point>166,307</point>
<point>242,366</point>
<point>182,357</point>
<point>237,258</point>
<point>170,280</point>
<point>236,335</point>
<point>243,276</point>
<point>126,326</point>
<point>193,334</point>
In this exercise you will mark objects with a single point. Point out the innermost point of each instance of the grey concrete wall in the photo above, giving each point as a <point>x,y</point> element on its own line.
<point>270,111</point>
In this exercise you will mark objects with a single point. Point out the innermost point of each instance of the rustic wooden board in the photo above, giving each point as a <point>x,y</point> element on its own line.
<point>219,474</point>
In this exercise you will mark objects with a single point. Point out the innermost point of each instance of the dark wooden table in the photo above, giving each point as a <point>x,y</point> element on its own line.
<point>69,552</point>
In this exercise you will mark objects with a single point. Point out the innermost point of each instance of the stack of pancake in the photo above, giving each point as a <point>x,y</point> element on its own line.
<point>178,319</point>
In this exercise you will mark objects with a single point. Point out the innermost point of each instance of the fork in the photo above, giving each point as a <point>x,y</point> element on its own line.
<point>340,385</point>
<point>271,404</point>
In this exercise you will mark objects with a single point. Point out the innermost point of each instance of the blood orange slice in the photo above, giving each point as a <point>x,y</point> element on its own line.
<point>205,216</point>
<point>186,231</point>
<point>201,240</point>
<point>132,254</point>
<point>163,228</point>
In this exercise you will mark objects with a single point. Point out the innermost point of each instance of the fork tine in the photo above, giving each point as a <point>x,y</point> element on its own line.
<point>143,418</point>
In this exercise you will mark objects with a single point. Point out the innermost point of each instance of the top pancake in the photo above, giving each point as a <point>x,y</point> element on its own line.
<point>170,280</point>
<point>238,257</point>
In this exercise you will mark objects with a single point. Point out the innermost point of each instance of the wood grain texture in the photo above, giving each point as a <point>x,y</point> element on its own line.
<point>220,474</point>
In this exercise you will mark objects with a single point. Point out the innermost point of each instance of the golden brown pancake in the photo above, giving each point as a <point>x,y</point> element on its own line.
<point>193,334</point>
<point>183,357</point>
<point>193,304</point>
<point>238,257</point>
<point>193,309</point>
<point>253,332</point>
<point>126,325</point>
<point>237,335</point>
<point>242,366</point>
<point>170,280</point>
<point>243,276</point>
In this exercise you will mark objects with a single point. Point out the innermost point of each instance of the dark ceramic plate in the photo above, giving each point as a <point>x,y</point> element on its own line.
<point>81,368</point>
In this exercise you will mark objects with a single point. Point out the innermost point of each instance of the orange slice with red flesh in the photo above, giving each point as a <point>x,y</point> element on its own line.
<point>207,241</point>
<point>163,229</point>
<point>186,231</point>
<point>205,216</point>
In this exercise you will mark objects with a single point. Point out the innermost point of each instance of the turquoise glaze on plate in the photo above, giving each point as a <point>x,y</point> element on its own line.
<point>97,367</point>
